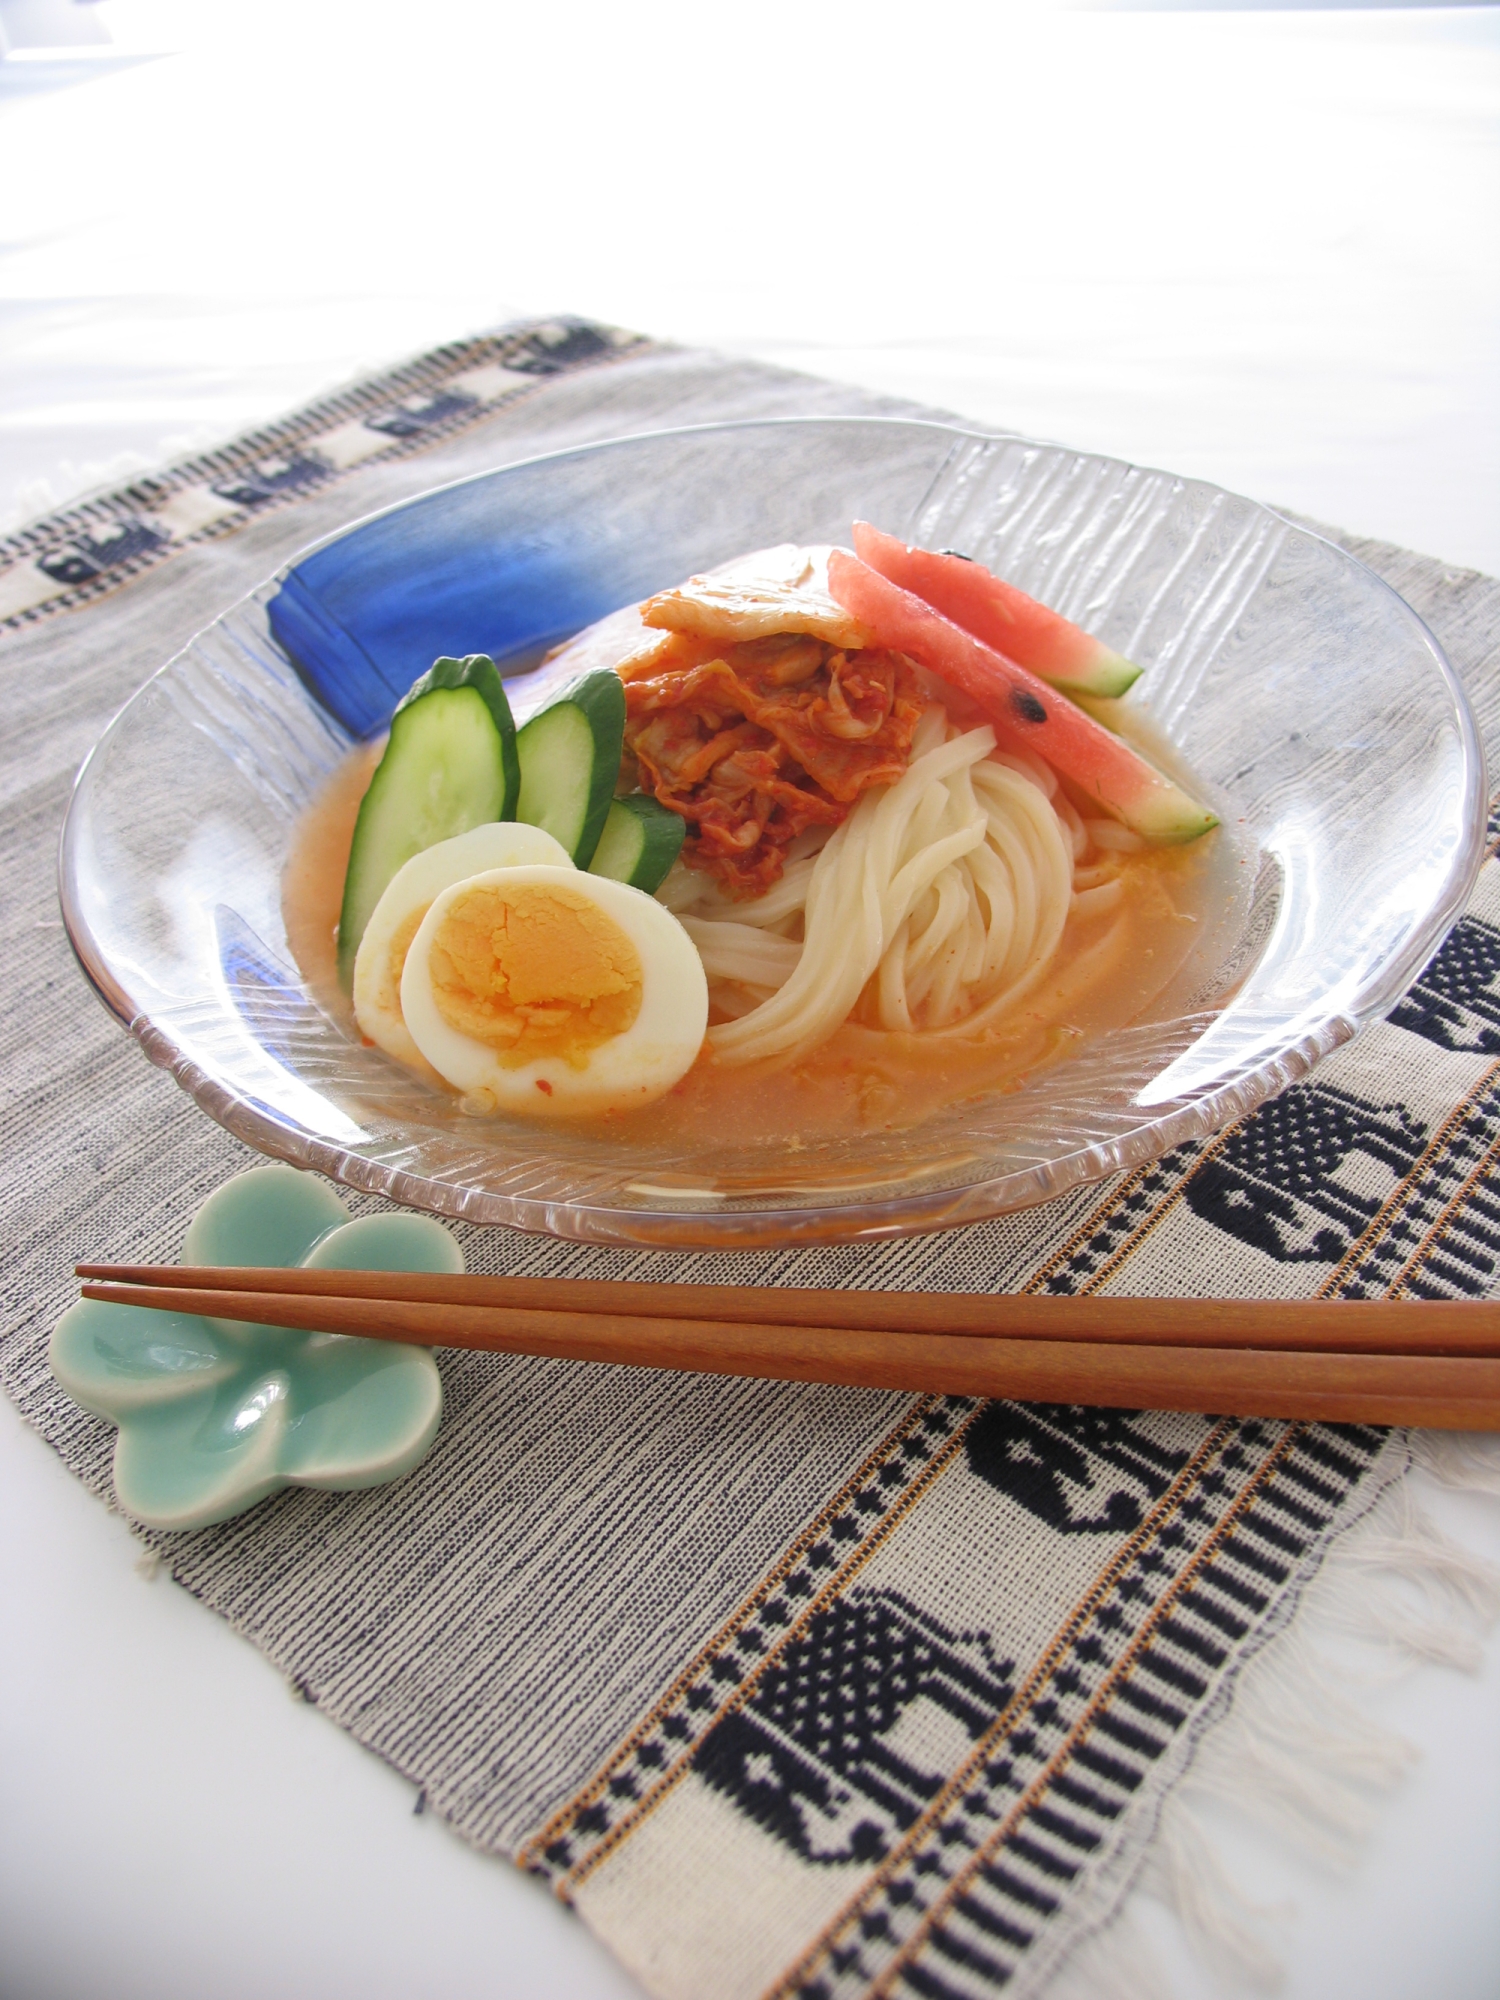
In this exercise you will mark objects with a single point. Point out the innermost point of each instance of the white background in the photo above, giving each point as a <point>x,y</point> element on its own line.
<point>1263,248</point>
<point>1256,247</point>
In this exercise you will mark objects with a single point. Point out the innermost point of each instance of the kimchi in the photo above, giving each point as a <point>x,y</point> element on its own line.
<point>756,709</point>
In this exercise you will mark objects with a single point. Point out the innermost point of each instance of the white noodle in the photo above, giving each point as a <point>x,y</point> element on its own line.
<point>741,952</point>
<point>935,905</point>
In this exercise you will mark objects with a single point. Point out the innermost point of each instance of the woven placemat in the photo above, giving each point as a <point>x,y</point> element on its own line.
<point>787,1689</point>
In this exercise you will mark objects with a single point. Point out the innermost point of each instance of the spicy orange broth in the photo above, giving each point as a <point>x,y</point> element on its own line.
<point>1106,973</point>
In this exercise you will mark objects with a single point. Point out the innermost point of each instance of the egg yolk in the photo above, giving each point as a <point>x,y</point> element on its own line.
<point>534,971</point>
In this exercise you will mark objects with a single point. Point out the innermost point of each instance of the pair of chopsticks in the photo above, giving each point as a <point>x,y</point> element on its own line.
<point>1435,1364</point>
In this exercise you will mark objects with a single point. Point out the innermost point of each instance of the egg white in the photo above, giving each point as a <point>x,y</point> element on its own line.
<point>410,891</point>
<point>628,1071</point>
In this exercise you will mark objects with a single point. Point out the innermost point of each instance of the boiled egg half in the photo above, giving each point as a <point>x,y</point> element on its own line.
<point>408,897</point>
<point>551,992</point>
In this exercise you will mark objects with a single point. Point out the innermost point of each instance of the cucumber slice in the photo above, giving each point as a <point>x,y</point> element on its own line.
<point>640,841</point>
<point>449,766</point>
<point>570,764</point>
<point>478,671</point>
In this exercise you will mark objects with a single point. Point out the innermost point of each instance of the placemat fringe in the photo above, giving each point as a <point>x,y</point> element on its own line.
<point>1298,1754</point>
<point>1468,1464</point>
<point>1222,1926</point>
<point>1118,1963</point>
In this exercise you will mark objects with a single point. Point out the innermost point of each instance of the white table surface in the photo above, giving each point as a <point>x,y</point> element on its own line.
<point>1262,248</point>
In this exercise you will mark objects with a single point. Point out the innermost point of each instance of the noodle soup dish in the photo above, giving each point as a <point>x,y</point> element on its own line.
<point>815,845</point>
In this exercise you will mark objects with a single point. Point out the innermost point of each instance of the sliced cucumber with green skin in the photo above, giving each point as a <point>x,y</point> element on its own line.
<point>640,841</point>
<point>478,671</point>
<point>570,764</point>
<point>450,765</point>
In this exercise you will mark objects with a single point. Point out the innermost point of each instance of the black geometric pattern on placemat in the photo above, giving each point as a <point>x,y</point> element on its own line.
<point>807,1757</point>
<point>1445,1241</point>
<point>100,543</point>
<point>1456,1003</point>
<point>1081,1471</point>
<point>1279,1180</point>
<point>1438,1239</point>
<point>1132,1207</point>
<point>558,345</point>
<point>1273,1181</point>
<point>972,1892</point>
<point>273,478</point>
<point>660,1752</point>
<point>1463,1258</point>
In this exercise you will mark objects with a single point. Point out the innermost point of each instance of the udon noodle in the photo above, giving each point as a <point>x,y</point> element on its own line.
<point>932,908</point>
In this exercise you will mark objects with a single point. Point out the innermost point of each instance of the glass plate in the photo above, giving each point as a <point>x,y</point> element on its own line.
<point>1304,695</point>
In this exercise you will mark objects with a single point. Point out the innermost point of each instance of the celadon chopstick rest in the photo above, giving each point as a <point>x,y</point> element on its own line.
<point>213,1414</point>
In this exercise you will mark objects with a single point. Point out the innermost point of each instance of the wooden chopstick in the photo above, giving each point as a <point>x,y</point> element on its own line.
<point>1315,1326</point>
<point>1454,1392</point>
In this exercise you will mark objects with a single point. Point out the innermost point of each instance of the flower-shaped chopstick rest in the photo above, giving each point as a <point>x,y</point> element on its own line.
<point>213,1414</point>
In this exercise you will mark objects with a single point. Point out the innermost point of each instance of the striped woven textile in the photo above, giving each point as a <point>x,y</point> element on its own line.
<point>789,1690</point>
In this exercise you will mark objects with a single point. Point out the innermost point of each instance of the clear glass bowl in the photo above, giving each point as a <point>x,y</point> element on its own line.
<point>1318,710</point>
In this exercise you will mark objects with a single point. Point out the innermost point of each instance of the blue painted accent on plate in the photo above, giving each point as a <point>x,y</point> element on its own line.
<point>269,997</point>
<point>363,616</point>
<point>216,1414</point>
<point>336,668</point>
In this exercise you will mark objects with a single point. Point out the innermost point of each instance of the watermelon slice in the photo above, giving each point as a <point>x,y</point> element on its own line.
<point>1026,713</point>
<point>1004,617</point>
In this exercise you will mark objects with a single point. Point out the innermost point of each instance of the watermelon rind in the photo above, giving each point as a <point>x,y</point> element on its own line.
<point>1163,813</point>
<point>1108,677</point>
<point>1020,628</point>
